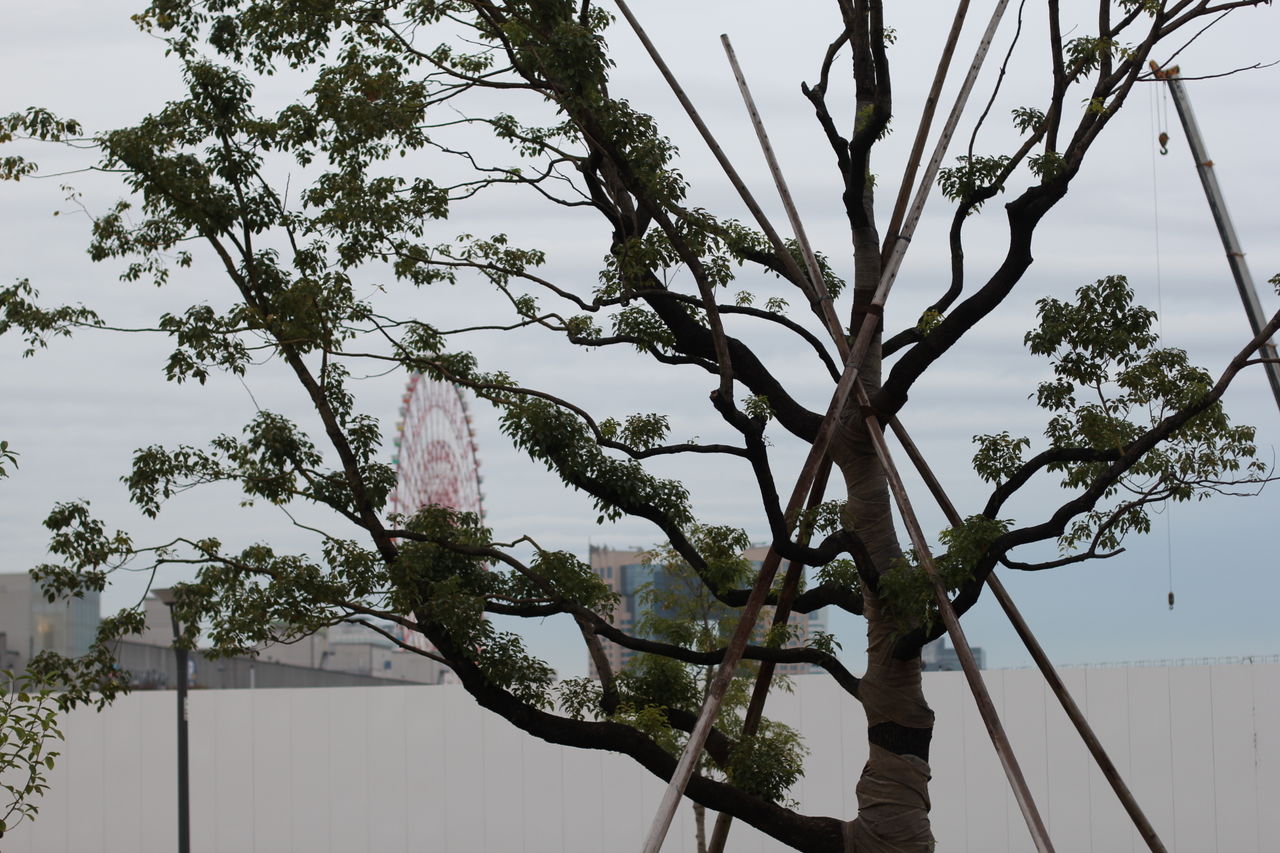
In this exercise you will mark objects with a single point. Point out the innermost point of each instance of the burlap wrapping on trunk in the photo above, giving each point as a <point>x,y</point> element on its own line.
<point>893,806</point>
<point>893,793</point>
<point>890,693</point>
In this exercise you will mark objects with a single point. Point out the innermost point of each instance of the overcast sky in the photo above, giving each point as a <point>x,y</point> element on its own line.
<point>77,411</point>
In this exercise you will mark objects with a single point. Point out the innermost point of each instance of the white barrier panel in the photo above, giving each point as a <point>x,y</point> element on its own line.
<point>419,769</point>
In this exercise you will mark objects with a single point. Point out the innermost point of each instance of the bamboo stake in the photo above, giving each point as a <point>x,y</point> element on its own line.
<point>1077,717</point>
<point>795,569</point>
<point>797,227</point>
<point>818,451</point>
<point>784,255</point>
<point>922,130</point>
<point>759,696</point>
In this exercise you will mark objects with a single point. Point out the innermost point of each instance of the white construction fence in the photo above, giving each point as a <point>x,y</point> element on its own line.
<point>423,769</point>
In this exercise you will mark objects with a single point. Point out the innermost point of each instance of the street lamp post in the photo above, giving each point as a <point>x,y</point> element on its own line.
<point>184,797</point>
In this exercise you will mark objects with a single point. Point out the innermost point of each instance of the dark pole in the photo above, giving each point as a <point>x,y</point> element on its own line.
<point>184,798</point>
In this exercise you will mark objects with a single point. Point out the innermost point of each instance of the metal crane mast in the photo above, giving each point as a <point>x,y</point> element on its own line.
<point>1218,206</point>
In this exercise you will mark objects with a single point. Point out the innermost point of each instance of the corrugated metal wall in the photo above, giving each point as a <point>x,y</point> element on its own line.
<point>423,769</point>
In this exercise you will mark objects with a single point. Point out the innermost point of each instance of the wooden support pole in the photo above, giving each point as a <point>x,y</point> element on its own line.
<point>797,227</point>
<point>779,247</point>
<point>922,130</point>
<point>795,570</point>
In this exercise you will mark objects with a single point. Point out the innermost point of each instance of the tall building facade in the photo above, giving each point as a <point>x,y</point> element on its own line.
<point>627,573</point>
<point>31,624</point>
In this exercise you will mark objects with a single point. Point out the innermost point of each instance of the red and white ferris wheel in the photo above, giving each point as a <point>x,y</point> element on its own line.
<point>435,458</point>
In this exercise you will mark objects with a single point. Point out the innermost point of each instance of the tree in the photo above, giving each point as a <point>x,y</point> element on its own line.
<point>28,725</point>
<point>303,210</point>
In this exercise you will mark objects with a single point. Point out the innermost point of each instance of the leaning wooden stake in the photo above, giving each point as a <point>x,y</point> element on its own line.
<point>791,581</point>
<point>922,130</point>
<point>795,569</point>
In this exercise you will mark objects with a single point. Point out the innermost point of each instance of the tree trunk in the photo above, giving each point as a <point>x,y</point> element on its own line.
<point>893,794</point>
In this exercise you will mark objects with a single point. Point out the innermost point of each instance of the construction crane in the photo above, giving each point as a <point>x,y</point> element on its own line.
<point>1218,206</point>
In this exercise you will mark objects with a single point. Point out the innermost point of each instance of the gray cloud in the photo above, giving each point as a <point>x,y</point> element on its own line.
<point>78,411</point>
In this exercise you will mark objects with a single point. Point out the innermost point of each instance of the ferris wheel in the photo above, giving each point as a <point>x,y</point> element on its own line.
<point>435,461</point>
<point>435,457</point>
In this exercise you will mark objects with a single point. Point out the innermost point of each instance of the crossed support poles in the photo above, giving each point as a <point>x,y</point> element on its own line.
<point>811,483</point>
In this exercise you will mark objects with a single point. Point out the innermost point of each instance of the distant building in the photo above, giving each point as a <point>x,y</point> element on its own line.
<point>338,656</point>
<point>31,625</point>
<point>356,648</point>
<point>153,667</point>
<point>627,574</point>
<point>939,657</point>
<point>339,649</point>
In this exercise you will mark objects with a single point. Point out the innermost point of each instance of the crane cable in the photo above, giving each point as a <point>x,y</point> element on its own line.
<point>1159,115</point>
